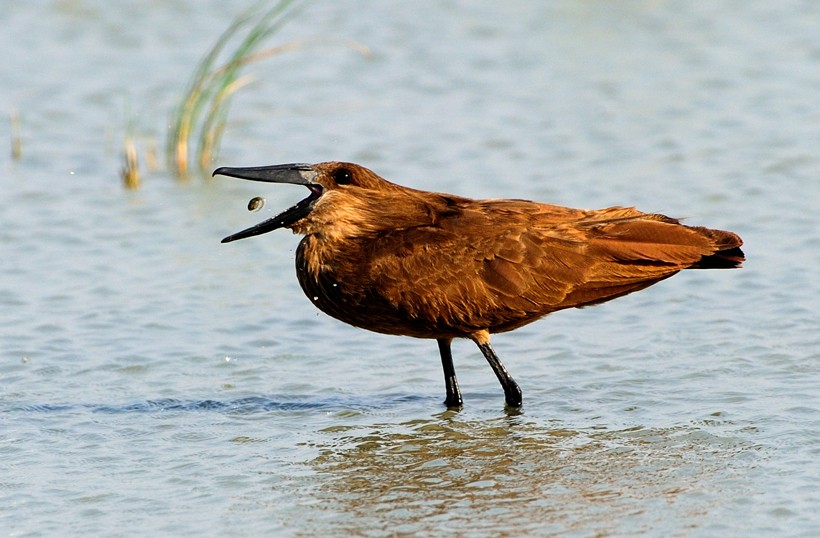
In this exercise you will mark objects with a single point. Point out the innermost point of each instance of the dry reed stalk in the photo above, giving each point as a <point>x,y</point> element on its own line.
<point>151,160</point>
<point>16,139</point>
<point>130,170</point>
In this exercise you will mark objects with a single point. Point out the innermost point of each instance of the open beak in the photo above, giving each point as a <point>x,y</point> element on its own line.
<point>298,174</point>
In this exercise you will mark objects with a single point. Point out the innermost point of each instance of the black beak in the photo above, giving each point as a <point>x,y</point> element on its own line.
<point>297,174</point>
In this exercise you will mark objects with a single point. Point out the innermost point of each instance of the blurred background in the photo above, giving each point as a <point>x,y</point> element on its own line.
<point>154,381</point>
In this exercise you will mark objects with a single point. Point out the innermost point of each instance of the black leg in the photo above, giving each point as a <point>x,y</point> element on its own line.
<point>453,398</point>
<point>512,392</point>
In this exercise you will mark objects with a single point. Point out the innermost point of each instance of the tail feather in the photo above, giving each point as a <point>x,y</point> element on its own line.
<point>655,240</point>
<point>728,256</point>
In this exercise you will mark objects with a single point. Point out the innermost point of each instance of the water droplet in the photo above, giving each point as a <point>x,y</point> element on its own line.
<point>24,360</point>
<point>315,297</point>
<point>256,203</point>
<point>228,359</point>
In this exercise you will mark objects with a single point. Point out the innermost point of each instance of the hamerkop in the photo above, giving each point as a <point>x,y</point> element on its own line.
<point>401,261</point>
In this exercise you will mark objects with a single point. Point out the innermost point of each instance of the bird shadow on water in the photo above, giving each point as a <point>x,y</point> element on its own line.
<point>511,475</point>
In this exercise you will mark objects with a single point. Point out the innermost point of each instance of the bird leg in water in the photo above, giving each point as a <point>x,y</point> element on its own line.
<point>512,392</point>
<point>453,398</point>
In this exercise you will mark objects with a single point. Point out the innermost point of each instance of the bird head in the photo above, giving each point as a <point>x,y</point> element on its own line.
<point>344,180</point>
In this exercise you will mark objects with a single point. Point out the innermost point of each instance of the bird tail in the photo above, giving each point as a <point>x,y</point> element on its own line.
<point>632,237</point>
<point>728,256</point>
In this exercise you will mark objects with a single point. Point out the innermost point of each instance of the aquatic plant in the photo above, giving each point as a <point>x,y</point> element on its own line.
<point>211,85</point>
<point>16,139</point>
<point>130,171</point>
<point>204,105</point>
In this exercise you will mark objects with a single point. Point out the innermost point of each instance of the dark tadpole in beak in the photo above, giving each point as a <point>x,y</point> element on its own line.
<point>298,174</point>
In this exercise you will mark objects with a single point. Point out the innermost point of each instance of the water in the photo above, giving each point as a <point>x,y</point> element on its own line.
<point>153,381</point>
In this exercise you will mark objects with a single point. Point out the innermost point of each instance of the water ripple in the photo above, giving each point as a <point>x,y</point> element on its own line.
<point>245,405</point>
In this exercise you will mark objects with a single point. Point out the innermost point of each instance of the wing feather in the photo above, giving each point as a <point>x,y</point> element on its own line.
<point>499,264</point>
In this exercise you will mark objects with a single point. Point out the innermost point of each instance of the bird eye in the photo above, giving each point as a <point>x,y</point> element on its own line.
<point>342,176</point>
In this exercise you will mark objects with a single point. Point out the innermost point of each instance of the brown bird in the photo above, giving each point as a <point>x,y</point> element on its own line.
<point>401,261</point>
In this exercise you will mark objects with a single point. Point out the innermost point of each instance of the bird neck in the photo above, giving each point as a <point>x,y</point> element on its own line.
<point>341,216</point>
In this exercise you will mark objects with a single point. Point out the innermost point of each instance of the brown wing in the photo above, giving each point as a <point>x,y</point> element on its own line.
<point>479,267</point>
<point>498,265</point>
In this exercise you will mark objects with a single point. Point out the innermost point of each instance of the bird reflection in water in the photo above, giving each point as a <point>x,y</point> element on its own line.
<point>510,476</point>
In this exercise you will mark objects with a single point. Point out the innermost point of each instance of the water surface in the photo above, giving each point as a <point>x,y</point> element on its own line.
<point>154,381</point>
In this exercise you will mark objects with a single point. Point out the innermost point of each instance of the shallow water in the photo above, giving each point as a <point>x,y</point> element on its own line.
<point>154,381</point>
